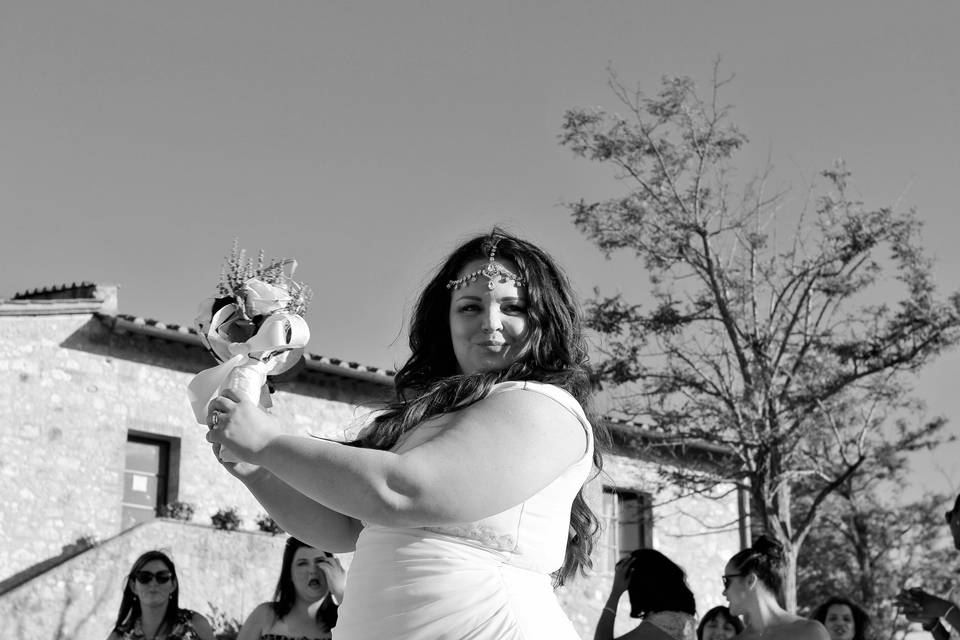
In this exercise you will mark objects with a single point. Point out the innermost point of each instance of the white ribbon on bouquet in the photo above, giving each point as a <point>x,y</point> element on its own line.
<point>275,347</point>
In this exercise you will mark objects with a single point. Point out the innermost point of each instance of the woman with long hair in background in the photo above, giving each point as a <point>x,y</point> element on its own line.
<point>843,618</point>
<point>304,605</point>
<point>150,606</point>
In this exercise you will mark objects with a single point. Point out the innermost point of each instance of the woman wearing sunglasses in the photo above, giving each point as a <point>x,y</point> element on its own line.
<point>150,608</point>
<point>752,582</point>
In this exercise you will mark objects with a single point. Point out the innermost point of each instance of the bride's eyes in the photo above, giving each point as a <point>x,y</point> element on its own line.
<point>509,308</point>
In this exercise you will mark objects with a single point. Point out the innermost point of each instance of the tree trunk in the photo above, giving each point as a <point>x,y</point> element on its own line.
<point>769,521</point>
<point>790,577</point>
<point>868,591</point>
<point>790,549</point>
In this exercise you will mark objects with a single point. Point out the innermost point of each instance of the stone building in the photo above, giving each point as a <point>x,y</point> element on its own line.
<point>96,435</point>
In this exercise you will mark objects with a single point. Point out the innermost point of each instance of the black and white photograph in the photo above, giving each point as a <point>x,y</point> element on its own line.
<point>479,320</point>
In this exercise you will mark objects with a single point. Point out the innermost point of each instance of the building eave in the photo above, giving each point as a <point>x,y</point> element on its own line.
<point>123,323</point>
<point>50,307</point>
<point>665,444</point>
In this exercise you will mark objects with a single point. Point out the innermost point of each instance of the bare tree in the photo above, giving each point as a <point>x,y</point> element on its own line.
<point>788,349</point>
<point>870,542</point>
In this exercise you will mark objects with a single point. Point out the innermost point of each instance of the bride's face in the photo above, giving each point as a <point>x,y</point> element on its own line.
<point>489,327</point>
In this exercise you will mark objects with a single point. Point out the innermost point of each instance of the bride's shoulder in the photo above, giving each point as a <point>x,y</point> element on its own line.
<point>537,406</point>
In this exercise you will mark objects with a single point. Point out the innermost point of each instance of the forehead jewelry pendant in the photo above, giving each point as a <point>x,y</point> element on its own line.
<point>491,271</point>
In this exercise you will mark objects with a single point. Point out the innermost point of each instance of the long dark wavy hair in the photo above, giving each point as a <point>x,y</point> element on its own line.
<point>766,560</point>
<point>130,604</point>
<point>657,583</point>
<point>285,594</point>
<point>861,619</point>
<point>430,382</point>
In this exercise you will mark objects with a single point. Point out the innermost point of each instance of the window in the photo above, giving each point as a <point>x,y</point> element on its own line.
<point>627,524</point>
<point>146,477</point>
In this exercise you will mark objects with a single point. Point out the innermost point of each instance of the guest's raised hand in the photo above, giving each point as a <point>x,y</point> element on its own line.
<point>621,575</point>
<point>919,606</point>
<point>241,426</point>
<point>336,577</point>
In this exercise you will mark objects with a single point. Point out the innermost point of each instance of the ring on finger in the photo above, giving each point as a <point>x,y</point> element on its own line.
<point>215,419</point>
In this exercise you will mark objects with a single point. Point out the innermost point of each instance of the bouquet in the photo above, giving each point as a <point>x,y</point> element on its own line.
<point>254,327</point>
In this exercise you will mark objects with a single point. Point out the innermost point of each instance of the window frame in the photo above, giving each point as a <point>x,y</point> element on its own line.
<point>612,539</point>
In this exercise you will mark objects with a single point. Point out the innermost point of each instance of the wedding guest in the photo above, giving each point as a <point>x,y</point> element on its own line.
<point>150,606</point>
<point>752,583</point>
<point>462,499</point>
<point>718,624</point>
<point>304,604</point>
<point>659,596</point>
<point>843,618</point>
<point>930,610</point>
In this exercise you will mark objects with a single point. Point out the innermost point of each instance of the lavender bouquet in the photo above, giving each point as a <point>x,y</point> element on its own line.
<point>254,327</point>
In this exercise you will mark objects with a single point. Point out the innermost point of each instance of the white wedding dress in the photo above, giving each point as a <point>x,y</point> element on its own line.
<point>486,580</point>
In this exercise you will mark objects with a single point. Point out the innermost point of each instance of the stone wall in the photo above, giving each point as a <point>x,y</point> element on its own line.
<point>220,572</point>
<point>70,392</point>
<point>699,532</point>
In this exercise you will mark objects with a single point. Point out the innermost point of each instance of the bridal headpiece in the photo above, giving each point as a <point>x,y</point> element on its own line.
<point>492,271</point>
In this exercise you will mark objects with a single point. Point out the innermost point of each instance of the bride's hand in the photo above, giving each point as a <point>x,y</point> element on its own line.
<point>241,470</point>
<point>241,426</point>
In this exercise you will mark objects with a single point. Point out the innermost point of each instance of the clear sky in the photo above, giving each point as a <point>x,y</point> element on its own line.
<point>367,138</point>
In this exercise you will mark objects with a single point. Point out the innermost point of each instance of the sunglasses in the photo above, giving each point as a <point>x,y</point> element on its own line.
<point>144,577</point>
<point>727,577</point>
